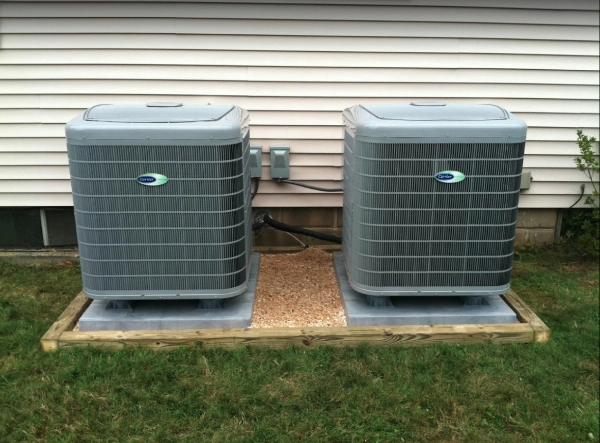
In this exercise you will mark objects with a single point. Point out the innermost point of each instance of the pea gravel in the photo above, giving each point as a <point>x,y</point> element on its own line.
<point>297,290</point>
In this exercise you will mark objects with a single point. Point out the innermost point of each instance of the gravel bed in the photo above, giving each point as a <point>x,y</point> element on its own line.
<point>297,290</point>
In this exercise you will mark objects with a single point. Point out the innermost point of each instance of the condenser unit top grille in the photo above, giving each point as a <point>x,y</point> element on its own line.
<point>437,112</point>
<point>435,123</point>
<point>161,121</point>
<point>156,113</point>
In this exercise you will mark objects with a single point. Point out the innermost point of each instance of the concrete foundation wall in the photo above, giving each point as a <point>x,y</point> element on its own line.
<point>536,227</point>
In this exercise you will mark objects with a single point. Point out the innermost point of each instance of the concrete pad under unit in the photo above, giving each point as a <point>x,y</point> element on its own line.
<point>174,314</point>
<point>426,310</point>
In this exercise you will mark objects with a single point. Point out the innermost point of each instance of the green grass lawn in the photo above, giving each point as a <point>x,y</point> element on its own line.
<point>476,393</point>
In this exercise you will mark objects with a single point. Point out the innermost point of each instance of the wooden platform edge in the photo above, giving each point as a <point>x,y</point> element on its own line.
<point>526,315</point>
<point>531,329</point>
<point>304,337</point>
<point>65,322</point>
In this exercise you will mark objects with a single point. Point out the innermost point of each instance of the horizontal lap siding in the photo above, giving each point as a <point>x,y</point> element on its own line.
<point>295,67</point>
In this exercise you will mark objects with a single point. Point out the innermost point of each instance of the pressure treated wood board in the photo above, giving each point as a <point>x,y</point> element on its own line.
<point>529,329</point>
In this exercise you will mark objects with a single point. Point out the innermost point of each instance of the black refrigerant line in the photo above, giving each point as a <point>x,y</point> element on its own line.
<point>297,230</point>
<point>304,185</point>
<point>263,218</point>
<point>267,219</point>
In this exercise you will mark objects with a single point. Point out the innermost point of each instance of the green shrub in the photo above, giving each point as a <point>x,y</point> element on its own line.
<point>582,226</point>
<point>588,163</point>
<point>582,230</point>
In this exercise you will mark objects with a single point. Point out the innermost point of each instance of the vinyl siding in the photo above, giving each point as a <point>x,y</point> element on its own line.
<point>295,66</point>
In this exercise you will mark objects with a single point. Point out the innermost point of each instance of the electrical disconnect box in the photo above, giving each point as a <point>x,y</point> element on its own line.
<point>280,162</point>
<point>256,161</point>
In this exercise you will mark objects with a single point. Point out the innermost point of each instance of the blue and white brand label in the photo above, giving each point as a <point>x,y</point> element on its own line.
<point>152,179</point>
<point>449,176</point>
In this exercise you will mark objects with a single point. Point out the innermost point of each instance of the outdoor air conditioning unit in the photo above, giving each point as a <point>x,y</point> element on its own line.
<point>430,198</point>
<point>162,200</point>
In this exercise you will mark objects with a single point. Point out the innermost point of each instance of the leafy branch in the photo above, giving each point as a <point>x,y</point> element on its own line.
<point>588,163</point>
<point>584,229</point>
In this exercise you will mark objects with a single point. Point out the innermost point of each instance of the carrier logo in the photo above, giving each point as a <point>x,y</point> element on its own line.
<point>450,176</point>
<point>152,179</point>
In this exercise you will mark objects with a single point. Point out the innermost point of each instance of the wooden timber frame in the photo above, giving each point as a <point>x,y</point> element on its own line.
<point>530,328</point>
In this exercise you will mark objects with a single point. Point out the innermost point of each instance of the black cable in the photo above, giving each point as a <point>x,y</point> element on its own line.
<point>580,197</point>
<point>257,182</point>
<point>287,228</point>
<point>304,185</point>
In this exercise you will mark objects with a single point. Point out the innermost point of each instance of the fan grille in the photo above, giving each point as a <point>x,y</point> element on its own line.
<point>191,235</point>
<point>405,229</point>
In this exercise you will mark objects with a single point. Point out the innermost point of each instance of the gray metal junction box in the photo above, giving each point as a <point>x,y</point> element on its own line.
<point>430,198</point>
<point>162,200</point>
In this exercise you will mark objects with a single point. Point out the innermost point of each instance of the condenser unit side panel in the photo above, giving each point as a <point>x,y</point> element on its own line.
<point>347,213</point>
<point>186,238</point>
<point>247,179</point>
